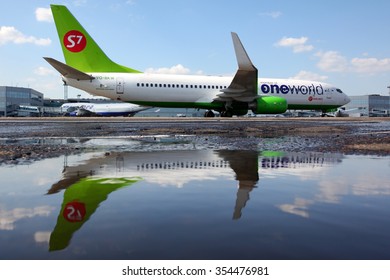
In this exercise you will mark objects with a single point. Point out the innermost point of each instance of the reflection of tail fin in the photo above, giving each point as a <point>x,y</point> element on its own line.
<point>81,201</point>
<point>80,50</point>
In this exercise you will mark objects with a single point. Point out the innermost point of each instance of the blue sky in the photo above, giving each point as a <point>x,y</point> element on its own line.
<point>345,43</point>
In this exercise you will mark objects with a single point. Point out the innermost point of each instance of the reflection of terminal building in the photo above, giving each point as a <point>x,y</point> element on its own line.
<point>19,101</point>
<point>373,105</point>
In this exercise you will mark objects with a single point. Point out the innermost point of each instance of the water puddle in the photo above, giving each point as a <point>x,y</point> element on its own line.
<point>136,199</point>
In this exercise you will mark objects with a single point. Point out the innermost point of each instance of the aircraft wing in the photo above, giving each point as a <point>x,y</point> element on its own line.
<point>244,84</point>
<point>68,71</point>
<point>245,164</point>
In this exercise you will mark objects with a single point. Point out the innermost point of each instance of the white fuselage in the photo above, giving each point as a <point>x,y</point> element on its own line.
<point>162,90</point>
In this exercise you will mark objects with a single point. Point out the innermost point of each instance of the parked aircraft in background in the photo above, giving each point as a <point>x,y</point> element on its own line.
<point>83,109</point>
<point>88,68</point>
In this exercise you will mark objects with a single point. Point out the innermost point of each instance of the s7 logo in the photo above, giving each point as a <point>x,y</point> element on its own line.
<point>75,41</point>
<point>74,211</point>
<point>72,43</point>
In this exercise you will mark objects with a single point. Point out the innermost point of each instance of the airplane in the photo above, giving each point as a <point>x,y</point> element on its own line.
<point>88,68</point>
<point>83,109</point>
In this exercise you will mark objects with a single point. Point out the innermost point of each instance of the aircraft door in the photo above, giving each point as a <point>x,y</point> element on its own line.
<point>328,95</point>
<point>120,86</point>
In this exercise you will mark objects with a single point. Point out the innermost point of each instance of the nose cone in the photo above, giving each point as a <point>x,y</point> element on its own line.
<point>346,99</point>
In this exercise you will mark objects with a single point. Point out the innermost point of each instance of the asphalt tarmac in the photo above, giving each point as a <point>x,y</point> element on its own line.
<point>26,139</point>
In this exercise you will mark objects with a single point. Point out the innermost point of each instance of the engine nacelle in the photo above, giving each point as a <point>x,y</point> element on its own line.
<point>269,105</point>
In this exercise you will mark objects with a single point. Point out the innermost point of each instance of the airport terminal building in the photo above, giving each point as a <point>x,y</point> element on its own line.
<point>19,101</point>
<point>373,105</point>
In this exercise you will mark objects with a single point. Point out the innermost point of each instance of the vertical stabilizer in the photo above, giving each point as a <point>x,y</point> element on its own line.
<point>80,50</point>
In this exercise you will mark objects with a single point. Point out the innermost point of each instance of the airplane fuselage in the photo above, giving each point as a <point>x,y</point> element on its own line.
<point>102,109</point>
<point>90,69</point>
<point>179,91</point>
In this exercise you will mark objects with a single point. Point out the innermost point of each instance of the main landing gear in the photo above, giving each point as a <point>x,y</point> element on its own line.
<point>224,114</point>
<point>227,114</point>
<point>209,114</point>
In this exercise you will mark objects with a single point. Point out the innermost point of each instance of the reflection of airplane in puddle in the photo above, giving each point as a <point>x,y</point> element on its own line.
<point>89,183</point>
<point>81,199</point>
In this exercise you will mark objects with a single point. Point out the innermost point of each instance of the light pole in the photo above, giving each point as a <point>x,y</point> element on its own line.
<point>388,107</point>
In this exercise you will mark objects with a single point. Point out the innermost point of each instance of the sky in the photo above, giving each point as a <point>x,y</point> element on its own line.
<point>344,43</point>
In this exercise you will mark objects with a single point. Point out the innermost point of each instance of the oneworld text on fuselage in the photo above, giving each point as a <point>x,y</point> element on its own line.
<point>292,89</point>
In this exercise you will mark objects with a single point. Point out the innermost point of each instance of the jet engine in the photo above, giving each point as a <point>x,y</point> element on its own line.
<point>269,105</point>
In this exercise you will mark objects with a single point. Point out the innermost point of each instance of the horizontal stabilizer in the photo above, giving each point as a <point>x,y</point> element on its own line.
<point>67,71</point>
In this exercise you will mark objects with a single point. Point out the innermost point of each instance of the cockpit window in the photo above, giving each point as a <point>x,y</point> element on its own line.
<point>339,90</point>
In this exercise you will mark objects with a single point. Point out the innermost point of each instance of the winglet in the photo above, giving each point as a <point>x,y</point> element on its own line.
<point>243,87</point>
<point>243,60</point>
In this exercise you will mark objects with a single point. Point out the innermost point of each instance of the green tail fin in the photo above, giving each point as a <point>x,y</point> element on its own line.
<point>80,50</point>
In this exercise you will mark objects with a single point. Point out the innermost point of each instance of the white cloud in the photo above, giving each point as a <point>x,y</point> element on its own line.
<point>9,218</point>
<point>9,34</point>
<point>44,14</point>
<point>332,61</point>
<point>297,44</point>
<point>274,14</point>
<point>370,65</point>
<point>310,76</point>
<point>44,71</point>
<point>299,208</point>
<point>79,3</point>
<point>177,69</point>
<point>42,237</point>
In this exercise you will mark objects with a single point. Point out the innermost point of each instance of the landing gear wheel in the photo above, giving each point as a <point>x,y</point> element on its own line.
<point>226,114</point>
<point>209,114</point>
